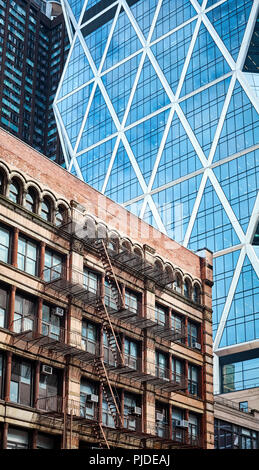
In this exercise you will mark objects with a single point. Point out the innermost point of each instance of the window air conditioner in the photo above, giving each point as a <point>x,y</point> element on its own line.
<point>183,423</point>
<point>93,398</point>
<point>159,416</point>
<point>136,410</point>
<point>197,345</point>
<point>58,311</point>
<point>46,369</point>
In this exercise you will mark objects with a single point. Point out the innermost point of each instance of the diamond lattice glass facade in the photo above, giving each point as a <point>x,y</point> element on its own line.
<point>157,108</point>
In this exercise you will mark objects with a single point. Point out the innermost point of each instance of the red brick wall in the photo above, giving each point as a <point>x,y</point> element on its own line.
<point>53,177</point>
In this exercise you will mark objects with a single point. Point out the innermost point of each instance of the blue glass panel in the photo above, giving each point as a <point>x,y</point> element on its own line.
<point>73,171</point>
<point>239,180</point>
<point>78,71</point>
<point>178,158</point>
<point>145,140</point>
<point>171,53</point>
<point>203,111</point>
<point>91,3</point>
<point>124,41</point>
<point>241,125</point>
<point>123,184</point>
<point>149,95</point>
<point>175,206</point>
<point>99,123</point>
<point>230,20</point>
<point>135,207</point>
<point>148,217</point>
<point>212,227</point>
<point>96,40</point>
<point>171,15</point>
<point>72,110</point>
<point>210,2</point>
<point>144,11</point>
<point>118,83</point>
<point>243,315</point>
<point>223,271</point>
<point>76,7</point>
<point>207,63</point>
<point>94,164</point>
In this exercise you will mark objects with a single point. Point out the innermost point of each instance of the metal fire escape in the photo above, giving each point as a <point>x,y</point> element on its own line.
<point>69,342</point>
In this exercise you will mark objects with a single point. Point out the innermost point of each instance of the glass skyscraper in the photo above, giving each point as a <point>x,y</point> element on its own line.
<point>157,108</point>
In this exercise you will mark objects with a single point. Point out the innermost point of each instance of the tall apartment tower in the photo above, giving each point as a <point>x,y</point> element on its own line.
<point>33,48</point>
<point>157,108</point>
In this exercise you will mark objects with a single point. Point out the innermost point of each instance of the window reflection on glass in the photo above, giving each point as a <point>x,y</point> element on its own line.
<point>52,265</point>
<point>89,337</point>
<point>14,192</point>
<point>46,210</point>
<point>27,256</point>
<point>4,244</point>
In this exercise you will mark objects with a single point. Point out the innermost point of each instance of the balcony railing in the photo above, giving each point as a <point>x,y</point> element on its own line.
<point>50,404</point>
<point>77,286</point>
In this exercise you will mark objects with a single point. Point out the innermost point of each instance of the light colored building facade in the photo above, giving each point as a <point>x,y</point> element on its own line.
<point>158,109</point>
<point>106,324</point>
<point>237,420</point>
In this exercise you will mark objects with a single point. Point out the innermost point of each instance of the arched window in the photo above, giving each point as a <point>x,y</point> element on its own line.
<point>113,244</point>
<point>187,289</point>
<point>138,252</point>
<point>2,182</point>
<point>14,192</point>
<point>30,200</point>
<point>197,294</point>
<point>177,284</point>
<point>60,216</point>
<point>46,209</point>
<point>125,246</point>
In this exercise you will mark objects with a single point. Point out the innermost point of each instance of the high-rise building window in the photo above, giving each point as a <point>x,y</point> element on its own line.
<point>24,314</point>
<point>46,209</point>
<point>53,265</point>
<point>17,438</point>
<point>132,412</point>
<point>193,380</point>
<point>162,365</point>
<point>21,382</point>
<point>194,428</point>
<point>27,256</point>
<point>89,337</point>
<point>89,397</point>
<point>31,200</point>
<point>131,353</point>
<point>131,301</point>
<point>14,192</point>
<point>3,307</point>
<point>50,390</point>
<point>5,239</point>
<point>193,331</point>
<point>51,323</point>
<point>1,374</point>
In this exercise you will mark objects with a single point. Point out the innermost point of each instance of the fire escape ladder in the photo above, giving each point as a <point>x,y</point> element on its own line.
<point>110,396</point>
<point>112,338</point>
<point>111,276</point>
<point>99,433</point>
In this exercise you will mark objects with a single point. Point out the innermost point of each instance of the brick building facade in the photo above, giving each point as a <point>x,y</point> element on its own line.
<point>105,323</point>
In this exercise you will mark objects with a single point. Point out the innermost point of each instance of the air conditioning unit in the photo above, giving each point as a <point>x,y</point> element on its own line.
<point>93,398</point>
<point>46,369</point>
<point>58,311</point>
<point>136,410</point>
<point>159,416</point>
<point>183,423</point>
<point>197,345</point>
<point>166,379</point>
